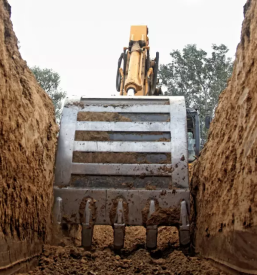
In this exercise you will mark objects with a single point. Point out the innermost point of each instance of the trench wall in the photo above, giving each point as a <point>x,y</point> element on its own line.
<point>224,181</point>
<point>27,152</point>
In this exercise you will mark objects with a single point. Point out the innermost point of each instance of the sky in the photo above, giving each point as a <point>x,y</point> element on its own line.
<point>82,40</point>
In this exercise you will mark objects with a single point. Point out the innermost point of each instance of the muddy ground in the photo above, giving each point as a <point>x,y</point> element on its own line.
<point>133,259</point>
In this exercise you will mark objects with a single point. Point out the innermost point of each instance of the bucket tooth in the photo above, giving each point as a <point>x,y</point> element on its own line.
<point>119,227</point>
<point>151,236</point>
<point>58,210</point>
<point>184,232</point>
<point>87,226</point>
<point>151,230</point>
<point>119,235</point>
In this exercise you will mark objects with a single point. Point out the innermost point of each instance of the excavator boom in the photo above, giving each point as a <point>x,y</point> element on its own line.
<point>138,75</point>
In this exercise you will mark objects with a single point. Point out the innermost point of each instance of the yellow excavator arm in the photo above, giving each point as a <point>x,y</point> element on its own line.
<point>138,75</point>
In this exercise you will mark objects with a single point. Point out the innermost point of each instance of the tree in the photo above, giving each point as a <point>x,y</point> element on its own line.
<point>198,77</point>
<point>50,81</point>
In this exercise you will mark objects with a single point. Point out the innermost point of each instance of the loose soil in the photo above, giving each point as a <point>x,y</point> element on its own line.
<point>170,216</point>
<point>105,136</point>
<point>133,259</point>
<point>108,116</point>
<point>91,136</point>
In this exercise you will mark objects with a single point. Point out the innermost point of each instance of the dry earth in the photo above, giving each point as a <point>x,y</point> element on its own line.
<point>224,185</point>
<point>224,180</point>
<point>133,259</point>
<point>27,153</point>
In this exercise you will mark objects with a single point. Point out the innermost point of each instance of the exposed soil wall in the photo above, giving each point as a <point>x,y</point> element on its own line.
<point>224,182</point>
<point>27,150</point>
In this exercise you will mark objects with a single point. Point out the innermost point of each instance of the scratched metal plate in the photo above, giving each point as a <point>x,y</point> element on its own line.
<point>152,119</point>
<point>136,200</point>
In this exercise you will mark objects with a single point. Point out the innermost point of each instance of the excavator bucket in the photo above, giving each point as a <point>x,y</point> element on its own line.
<point>122,161</point>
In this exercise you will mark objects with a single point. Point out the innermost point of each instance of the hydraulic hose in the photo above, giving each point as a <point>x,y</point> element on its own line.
<point>118,73</point>
<point>124,68</point>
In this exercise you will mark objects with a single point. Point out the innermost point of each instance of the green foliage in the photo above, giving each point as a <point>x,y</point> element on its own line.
<point>198,77</point>
<point>50,81</point>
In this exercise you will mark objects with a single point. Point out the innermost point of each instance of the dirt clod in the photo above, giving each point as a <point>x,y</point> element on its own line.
<point>94,116</point>
<point>133,259</point>
<point>170,216</point>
